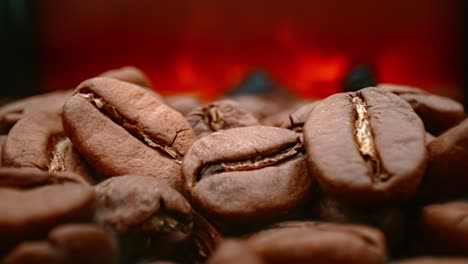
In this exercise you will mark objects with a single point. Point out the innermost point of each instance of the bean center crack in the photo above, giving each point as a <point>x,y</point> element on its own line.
<point>134,129</point>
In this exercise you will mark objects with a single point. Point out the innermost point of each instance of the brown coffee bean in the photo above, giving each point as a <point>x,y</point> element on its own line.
<point>445,227</point>
<point>183,103</point>
<point>447,175</point>
<point>292,119</point>
<point>39,141</point>
<point>151,219</point>
<point>68,244</point>
<point>429,138</point>
<point>261,106</point>
<point>437,112</point>
<point>433,260</point>
<point>390,220</point>
<point>366,147</point>
<point>14,111</point>
<point>33,201</point>
<point>219,115</point>
<point>247,174</point>
<point>122,129</point>
<point>129,74</point>
<point>233,252</point>
<point>315,242</point>
<point>205,236</point>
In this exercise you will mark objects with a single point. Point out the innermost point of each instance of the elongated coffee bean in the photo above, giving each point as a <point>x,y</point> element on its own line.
<point>315,242</point>
<point>438,113</point>
<point>247,174</point>
<point>39,141</point>
<point>366,147</point>
<point>123,129</point>
<point>33,201</point>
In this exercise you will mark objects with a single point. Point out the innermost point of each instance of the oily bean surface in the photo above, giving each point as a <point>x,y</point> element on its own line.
<point>366,147</point>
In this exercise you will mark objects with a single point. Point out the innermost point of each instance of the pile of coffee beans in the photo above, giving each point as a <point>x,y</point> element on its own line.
<point>112,172</point>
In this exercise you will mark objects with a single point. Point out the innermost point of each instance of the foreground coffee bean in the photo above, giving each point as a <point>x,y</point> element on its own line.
<point>122,129</point>
<point>2,141</point>
<point>14,111</point>
<point>152,220</point>
<point>129,74</point>
<point>447,175</point>
<point>437,112</point>
<point>366,147</point>
<point>314,242</point>
<point>39,141</point>
<point>33,201</point>
<point>219,115</point>
<point>247,174</point>
<point>444,227</point>
<point>67,244</point>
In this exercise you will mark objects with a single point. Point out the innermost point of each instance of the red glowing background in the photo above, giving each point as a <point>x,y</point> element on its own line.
<point>207,46</point>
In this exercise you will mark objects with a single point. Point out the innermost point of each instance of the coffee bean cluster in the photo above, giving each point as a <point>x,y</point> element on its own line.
<point>113,172</point>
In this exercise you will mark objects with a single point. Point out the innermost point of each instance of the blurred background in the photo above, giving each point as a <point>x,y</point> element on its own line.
<point>207,47</point>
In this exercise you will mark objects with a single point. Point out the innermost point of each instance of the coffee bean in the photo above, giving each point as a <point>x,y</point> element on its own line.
<point>39,141</point>
<point>312,242</point>
<point>129,74</point>
<point>151,219</point>
<point>183,103</point>
<point>293,120</point>
<point>233,251</point>
<point>122,129</point>
<point>73,243</point>
<point>14,111</point>
<point>447,175</point>
<point>438,113</point>
<point>366,147</point>
<point>247,174</point>
<point>33,201</point>
<point>219,115</point>
<point>445,229</point>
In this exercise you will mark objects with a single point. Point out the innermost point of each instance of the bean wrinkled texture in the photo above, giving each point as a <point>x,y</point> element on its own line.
<point>113,172</point>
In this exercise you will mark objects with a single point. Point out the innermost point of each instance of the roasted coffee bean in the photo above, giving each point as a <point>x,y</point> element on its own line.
<point>122,129</point>
<point>260,107</point>
<point>183,103</point>
<point>445,227</point>
<point>14,111</point>
<point>151,219</point>
<point>292,119</point>
<point>39,141</point>
<point>390,220</point>
<point>219,115</point>
<point>315,242</point>
<point>205,236</point>
<point>366,147</point>
<point>33,201</point>
<point>67,244</point>
<point>433,260</point>
<point>247,174</point>
<point>437,112</point>
<point>129,74</point>
<point>447,175</point>
<point>233,252</point>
